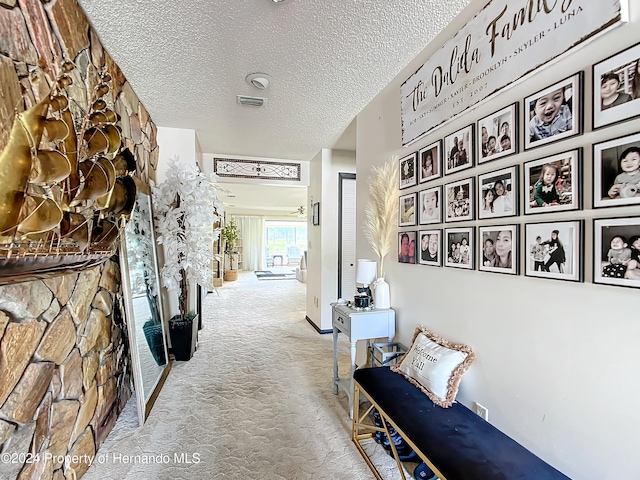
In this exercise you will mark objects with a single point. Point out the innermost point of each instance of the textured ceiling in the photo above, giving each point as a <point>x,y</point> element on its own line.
<point>187,61</point>
<point>327,59</point>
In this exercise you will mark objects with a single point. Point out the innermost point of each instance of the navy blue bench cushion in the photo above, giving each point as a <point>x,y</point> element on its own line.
<point>460,444</point>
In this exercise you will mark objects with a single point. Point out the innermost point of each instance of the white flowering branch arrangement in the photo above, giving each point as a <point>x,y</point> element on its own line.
<point>382,210</point>
<point>185,210</point>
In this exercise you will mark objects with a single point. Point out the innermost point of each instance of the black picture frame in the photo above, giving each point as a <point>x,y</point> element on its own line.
<point>608,169</point>
<point>431,153</point>
<point>407,257</point>
<point>564,193</point>
<point>625,65</point>
<point>428,241</point>
<point>315,213</point>
<point>430,205</point>
<point>407,210</point>
<point>498,193</point>
<point>541,249</point>
<point>500,141</point>
<point>563,117</point>
<point>455,158</point>
<point>505,240</point>
<point>407,171</point>
<point>459,200</point>
<point>604,229</point>
<point>453,243</point>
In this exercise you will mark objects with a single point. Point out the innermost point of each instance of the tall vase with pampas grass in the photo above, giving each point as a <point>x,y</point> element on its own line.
<point>381,219</point>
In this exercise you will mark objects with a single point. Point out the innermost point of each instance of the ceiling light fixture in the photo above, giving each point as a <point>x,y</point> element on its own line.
<point>258,80</point>
<point>279,1</point>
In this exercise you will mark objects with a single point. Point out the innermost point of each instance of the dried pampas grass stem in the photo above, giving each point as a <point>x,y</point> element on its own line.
<point>382,209</point>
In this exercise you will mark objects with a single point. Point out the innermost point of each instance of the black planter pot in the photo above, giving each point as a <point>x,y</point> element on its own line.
<point>155,340</point>
<point>184,336</point>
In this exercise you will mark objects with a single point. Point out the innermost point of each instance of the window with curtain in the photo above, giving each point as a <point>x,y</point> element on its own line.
<point>252,240</point>
<point>287,239</point>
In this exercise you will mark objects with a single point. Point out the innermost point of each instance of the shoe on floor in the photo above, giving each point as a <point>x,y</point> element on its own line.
<point>423,472</point>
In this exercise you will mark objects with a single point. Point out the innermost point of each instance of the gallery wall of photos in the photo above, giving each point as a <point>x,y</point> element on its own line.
<point>503,203</point>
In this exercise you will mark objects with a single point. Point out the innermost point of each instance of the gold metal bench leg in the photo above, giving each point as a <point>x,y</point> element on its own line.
<point>361,431</point>
<point>393,447</point>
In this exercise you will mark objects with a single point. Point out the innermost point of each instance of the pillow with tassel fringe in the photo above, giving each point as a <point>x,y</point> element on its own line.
<point>435,366</point>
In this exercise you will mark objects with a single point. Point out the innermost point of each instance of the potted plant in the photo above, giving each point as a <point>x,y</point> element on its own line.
<point>185,210</point>
<point>230,234</point>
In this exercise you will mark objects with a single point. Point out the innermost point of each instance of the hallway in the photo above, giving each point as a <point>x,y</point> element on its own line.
<point>255,401</point>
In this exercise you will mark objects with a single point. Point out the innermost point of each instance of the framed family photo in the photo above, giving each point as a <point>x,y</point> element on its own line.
<point>458,197</point>
<point>616,172</point>
<point>616,251</point>
<point>554,250</point>
<point>430,206</point>
<point>430,247</point>
<point>459,247</point>
<point>407,247</point>
<point>498,134</point>
<point>407,210</point>
<point>616,87</point>
<point>458,150</point>
<point>554,113</point>
<point>498,193</point>
<point>407,171</point>
<point>552,184</point>
<point>498,249</point>
<point>430,162</point>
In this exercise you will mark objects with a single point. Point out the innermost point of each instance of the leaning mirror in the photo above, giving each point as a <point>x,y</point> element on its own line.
<point>141,288</point>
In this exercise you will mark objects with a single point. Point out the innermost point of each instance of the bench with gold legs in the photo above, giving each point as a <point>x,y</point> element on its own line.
<point>454,442</point>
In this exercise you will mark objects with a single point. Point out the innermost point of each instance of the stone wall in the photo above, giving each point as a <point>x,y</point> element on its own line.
<point>65,370</point>
<point>64,357</point>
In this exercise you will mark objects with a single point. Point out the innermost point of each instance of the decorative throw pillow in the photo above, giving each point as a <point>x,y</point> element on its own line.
<point>435,366</point>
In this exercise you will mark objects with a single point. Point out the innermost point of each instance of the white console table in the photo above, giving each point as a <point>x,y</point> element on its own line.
<point>358,325</point>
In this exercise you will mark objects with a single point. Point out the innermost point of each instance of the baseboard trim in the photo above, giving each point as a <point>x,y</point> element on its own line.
<point>321,332</point>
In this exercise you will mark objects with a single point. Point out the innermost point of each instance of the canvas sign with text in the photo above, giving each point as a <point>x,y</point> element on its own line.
<point>506,40</point>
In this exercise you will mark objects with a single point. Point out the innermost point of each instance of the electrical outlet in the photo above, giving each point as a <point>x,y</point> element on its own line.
<point>482,411</point>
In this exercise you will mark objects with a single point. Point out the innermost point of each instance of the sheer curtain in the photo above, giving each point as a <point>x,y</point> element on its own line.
<point>252,234</point>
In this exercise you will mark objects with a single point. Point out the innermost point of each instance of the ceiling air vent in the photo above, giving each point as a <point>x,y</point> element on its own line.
<point>253,101</point>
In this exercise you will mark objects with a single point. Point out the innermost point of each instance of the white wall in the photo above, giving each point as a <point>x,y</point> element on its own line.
<point>556,361</point>
<point>322,254</point>
<point>175,141</point>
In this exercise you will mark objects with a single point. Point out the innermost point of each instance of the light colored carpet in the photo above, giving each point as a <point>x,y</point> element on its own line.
<point>255,401</point>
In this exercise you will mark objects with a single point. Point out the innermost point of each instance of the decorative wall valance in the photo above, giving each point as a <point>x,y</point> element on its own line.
<point>264,170</point>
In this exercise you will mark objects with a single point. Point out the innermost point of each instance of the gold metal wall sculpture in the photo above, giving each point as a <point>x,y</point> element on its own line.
<point>65,185</point>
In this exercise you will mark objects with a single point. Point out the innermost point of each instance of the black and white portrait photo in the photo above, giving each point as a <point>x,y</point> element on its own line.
<point>429,161</point>
<point>616,251</point>
<point>458,150</point>
<point>459,200</point>
<point>553,183</point>
<point>497,193</point>
<point>407,171</point>
<point>616,172</point>
<point>554,250</point>
<point>554,113</point>
<point>498,134</point>
<point>430,208</point>
<point>616,88</point>
<point>430,247</point>
<point>459,248</point>
<point>498,248</point>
